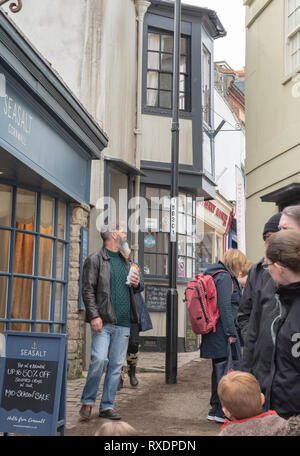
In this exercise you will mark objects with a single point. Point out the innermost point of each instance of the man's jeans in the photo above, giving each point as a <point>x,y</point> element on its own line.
<point>108,349</point>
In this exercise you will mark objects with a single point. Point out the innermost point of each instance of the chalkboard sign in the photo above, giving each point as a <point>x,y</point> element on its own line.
<point>33,383</point>
<point>84,253</point>
<point>156,297</point>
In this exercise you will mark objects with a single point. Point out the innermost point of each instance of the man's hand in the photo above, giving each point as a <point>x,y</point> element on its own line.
<point>97,324</point>
<point>231,340</point>
<point>135,279</point>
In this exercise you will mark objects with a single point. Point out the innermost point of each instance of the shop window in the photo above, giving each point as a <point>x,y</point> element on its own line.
<point>33,243</point>
<point>156,235</point>
<point>160,71</point>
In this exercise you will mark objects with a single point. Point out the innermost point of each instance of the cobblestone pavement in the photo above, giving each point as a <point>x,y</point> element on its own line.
<point>149,364</point>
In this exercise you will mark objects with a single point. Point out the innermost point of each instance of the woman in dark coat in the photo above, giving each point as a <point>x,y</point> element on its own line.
<point>214,345</point>
<point>283,386</point>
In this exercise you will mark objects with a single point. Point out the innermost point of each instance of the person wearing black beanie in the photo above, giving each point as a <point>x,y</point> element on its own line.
<point>272,226</point>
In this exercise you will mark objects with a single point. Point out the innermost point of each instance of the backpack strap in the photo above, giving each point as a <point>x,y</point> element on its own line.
<point>222,270</point>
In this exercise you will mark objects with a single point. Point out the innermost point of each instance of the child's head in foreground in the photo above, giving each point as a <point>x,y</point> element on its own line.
<point>116,428</point>
<point>240,395</point>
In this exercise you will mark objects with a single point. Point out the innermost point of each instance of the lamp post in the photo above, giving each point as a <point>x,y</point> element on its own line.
<point>172,295</point>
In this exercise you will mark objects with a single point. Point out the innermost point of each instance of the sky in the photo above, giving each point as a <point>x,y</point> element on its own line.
<point>232,16</point>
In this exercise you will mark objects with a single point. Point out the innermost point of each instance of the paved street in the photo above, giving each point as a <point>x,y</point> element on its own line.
<point>154,408</point>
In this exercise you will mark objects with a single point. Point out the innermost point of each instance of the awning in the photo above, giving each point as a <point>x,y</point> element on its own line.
<point>123,166</point>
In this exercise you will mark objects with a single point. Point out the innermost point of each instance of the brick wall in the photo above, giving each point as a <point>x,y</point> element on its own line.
<point>75,321</point>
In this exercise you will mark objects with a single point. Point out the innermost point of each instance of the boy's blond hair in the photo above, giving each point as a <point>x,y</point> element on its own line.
<point>115,428</point>
<point>240,394</point>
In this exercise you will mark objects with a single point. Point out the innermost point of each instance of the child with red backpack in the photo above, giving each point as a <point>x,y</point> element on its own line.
<point>214,343</point>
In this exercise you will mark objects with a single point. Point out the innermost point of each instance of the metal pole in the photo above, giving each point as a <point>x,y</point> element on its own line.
<point>172,295</point>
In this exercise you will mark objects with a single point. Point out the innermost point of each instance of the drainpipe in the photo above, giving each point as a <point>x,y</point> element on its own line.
<point>141,9</point>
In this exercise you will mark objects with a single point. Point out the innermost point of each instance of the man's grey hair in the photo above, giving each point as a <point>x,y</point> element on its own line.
<point>107,229</point>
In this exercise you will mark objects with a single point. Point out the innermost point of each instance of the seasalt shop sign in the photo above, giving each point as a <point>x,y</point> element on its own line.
<point>31,381</point>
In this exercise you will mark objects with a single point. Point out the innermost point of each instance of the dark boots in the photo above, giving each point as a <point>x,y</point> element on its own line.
<point>132,378</point>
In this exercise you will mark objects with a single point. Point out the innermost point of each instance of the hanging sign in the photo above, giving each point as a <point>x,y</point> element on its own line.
<point>173,217</point>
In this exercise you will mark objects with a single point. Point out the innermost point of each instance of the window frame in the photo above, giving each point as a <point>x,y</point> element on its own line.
<point>290,36</point>
<point>188,98</point>
<point>156,253</point>
<point>52,323</point>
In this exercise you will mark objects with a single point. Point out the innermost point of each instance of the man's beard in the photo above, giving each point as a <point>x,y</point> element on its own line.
<point>123,246</point>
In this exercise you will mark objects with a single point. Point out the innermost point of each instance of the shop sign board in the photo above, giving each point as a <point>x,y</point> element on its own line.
<point>33,383</point>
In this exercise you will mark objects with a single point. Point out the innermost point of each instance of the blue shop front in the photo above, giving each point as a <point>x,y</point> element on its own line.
<point>47,143</point>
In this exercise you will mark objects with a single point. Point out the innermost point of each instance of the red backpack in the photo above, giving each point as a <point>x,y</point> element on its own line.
<point>202,303</point>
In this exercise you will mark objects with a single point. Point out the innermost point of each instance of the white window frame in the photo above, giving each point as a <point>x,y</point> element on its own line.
<point>292,35</point>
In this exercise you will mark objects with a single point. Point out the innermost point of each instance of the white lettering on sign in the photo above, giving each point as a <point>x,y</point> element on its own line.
<point>173,215</point>
<point>37,353</point>
<point>21,121</point>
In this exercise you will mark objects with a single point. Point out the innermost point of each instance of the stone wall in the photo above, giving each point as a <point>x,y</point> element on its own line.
<point>75,317</point>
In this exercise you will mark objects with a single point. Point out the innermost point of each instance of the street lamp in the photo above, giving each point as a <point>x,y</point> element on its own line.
<point>14,7</point>
<point>172,295</point>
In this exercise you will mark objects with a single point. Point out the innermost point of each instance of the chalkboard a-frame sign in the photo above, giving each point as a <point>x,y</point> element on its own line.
<point>33,383</point>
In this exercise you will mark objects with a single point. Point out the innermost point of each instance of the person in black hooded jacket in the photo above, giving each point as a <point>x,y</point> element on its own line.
<point>283,386</point>
<point>214,344</point>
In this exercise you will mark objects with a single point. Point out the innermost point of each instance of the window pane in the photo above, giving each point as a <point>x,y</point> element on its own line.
<point>182,101</point>
<point>181,245</point>
<point>150,242</point>
<point>153,60</point>
<point>207,162</point>
<point>24,253</point>
<point>183,42</point>
<point>153,41</point>
<point>167,43</point>
<point>165,100</point>
<point>3,296</point>
<point>45,257</point>
<point>189,205</point>
<point>182,64</point>
<point>43,304</point>
<point>162,243</point>
<point>291,23</point>
<point>152,98</point>
<point>189,246</point>
<point>166,81</point>
<point>165,221</point>
<point>167,62</point>
<point>181,267</point>
<point>291,6</point>
<point>60,261</point>
<point>189,225</point>
<point>25,210</point>
<point>152,79</point>
<point>162,265</point>
<point>182,83</point>
<point>47,215</point>
<point>62,220</point>
<point>152,196</point>
<point>189,268</point>
<point>182,202</point>
<point>58,301</point>
<point>21,303</point>
<point>149,264</point>
<point>5,205</point>
<point>4,249</point>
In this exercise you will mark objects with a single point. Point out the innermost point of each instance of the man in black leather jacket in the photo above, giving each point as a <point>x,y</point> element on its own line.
<point>110,310</point>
